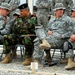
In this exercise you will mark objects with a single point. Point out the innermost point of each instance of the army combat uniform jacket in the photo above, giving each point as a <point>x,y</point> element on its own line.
<point>62,29</point>
<point>23,32</point>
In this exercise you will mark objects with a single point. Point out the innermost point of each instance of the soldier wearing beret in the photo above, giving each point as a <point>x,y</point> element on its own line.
<point>23,32</point>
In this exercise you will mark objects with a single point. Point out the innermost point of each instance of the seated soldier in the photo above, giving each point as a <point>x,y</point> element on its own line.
<point>59,28</point>
<point>4,20</point>
<point>23,32</point>
<point>71,41</point>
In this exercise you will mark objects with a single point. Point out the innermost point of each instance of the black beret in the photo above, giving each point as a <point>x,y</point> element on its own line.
<point>23,6</point>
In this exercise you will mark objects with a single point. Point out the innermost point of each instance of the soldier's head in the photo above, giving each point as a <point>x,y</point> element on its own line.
<point>24,10</point>
<point>73,11</point>
<point>16,14</point>
<point>59,9</point>
<point>4,9</point>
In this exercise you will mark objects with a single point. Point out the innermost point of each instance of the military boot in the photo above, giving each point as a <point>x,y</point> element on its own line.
<point>70,65</point>
<point>7,59</point>
<point>44,45</point>
<point>47,58</point>
<point>27,61</point>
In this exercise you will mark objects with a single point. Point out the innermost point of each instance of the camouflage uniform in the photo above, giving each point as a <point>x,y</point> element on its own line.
<point>6,1</point>
<point>21,27</point>
<point>71,63</point>
<point>4,26</point>
<point>14,5</point>
<point>43,11</point>
<point>67,3</point>
<point>58,26</point>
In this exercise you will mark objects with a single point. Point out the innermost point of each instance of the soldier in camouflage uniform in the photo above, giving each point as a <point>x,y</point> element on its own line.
<point>4,20</point>
<point>67,3</point>
<point>43,10</point>
<point>71,63</point>
<point>13,6</point>
<point>58,28</point>
<point>23,32</point>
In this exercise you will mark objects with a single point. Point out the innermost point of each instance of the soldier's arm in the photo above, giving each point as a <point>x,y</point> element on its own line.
<point>1,22</point>
<point>69,29</point>
<point>7,28</point>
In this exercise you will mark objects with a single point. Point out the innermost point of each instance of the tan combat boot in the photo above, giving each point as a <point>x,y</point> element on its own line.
<point>70,65</point>
<point>27,61</point>
<point>44,45</point>
<point>7,59</point>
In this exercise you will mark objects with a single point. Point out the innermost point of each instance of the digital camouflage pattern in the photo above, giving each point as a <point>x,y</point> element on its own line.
<point>43,12</point>
<point>13,5</point>
<point>67,3</point>
<point>21,27</point>
<point>62,28</point>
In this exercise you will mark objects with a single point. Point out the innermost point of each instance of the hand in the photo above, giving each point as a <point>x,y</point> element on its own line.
<point>49,32</point>
<point>72,38</point>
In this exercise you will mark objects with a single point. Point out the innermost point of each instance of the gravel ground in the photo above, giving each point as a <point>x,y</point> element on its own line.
<point>16,68</point>
<point>16,65</point>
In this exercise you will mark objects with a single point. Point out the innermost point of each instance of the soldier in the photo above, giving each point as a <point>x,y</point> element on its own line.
<point>71,63</point>
<point>59,28</point>
<point>43,11</point>
<point>4,20</point>
<point>67,3</point>
<point>13,6</point>
<point>23,32</point>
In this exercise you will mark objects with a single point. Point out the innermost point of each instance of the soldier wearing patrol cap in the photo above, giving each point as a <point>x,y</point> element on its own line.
<point>23,31</point>
<point>16,13</point>
<point>4,20</point>
<point>58,29</point>
<point>67,4</point>
<point>71,63</point>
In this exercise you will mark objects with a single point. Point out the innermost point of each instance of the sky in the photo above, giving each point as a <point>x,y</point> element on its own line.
<point>24,1</point>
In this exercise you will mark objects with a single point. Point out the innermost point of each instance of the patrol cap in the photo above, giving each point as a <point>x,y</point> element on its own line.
<point>5,6</point>
<point>17,12</point>
<point>73,8</point>
<point>23,6</point>
<point>59,6</point>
